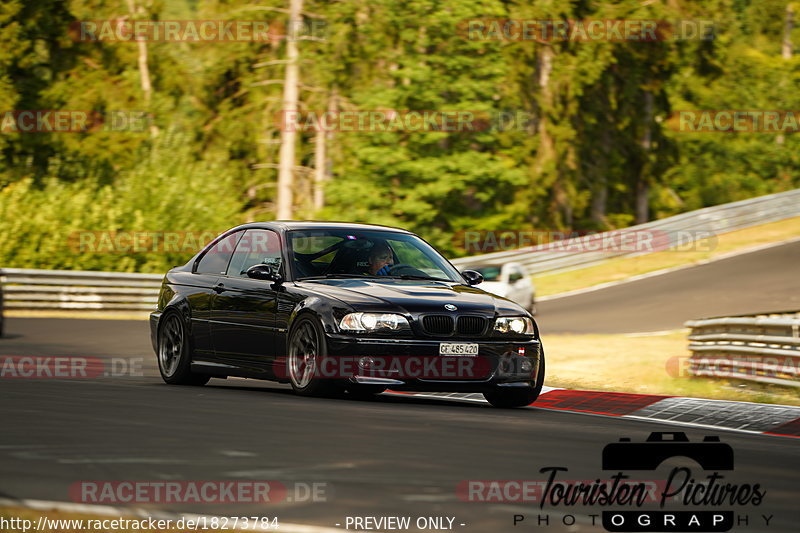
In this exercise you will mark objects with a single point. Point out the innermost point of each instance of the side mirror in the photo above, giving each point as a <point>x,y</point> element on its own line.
<point>473,277</point>
<point>265,272</point>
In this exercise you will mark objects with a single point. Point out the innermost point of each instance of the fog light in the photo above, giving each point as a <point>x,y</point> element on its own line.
<point>526,366</point>
<point>366,362</point>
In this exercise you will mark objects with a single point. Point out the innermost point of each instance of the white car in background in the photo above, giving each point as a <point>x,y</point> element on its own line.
<point>510,281</point>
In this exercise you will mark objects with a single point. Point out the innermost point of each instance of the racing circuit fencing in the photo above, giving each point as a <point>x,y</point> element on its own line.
<point>764,348</point>
<point>709,221</point>
<point>79,290</point>
<point>27,289</point>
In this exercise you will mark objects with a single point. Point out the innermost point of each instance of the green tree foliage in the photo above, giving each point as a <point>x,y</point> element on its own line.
<point>596,146</point>
<point>42,223</point>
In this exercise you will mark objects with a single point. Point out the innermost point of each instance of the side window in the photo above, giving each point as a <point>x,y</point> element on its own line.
<point>216,259</point>
<point>258,246</point>
<point>515,275</point>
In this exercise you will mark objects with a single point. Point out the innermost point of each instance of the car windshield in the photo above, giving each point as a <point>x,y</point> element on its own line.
<point>489,273</point>
<point>354,253</point>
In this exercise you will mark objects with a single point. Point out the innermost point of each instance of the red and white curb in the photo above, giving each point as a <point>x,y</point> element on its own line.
<point>781,420</point>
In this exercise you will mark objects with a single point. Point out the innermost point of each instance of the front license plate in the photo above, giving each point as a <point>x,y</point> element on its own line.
<point>458,348</point>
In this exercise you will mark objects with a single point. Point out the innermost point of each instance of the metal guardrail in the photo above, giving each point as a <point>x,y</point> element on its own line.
<point>115,291</point>
<point>713,220</point>
<point>764,348</point>
<point>79,290</point>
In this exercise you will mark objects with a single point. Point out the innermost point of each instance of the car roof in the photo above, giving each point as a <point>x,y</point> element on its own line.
<point>288,225</point>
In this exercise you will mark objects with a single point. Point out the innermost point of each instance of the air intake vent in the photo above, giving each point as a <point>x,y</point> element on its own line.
<point>471,325</point>
<point>438,324</point>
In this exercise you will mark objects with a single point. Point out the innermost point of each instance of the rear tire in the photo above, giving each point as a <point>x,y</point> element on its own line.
<point>307,351</point>
<point>174,355</point>
<point>507,397</point>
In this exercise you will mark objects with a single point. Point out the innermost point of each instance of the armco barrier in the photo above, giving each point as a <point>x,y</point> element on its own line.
<point>79,290</point>
<point>764,348</point>
<point>113,291</point>
<point>713,220</point>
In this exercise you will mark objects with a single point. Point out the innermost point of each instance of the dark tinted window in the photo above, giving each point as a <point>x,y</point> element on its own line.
<point>216,259</point>
<point>349,252</point>
<point>258,246</point>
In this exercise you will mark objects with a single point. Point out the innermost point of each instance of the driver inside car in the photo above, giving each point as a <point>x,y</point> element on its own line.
<point>380,259</point>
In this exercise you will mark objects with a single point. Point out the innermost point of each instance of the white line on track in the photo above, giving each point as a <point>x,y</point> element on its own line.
<point>663,271</point>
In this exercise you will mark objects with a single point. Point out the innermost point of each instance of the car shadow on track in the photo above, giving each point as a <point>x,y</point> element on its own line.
<point>252,386</point>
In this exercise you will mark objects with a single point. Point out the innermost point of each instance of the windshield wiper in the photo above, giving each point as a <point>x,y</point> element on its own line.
<point>413,276</point>
<point>338,276</point>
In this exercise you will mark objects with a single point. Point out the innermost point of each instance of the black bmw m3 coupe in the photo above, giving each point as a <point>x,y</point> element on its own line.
<point>333,307</point>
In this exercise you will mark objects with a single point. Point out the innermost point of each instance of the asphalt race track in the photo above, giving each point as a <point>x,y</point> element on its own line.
<point>766,280</point>
<point>390,456</point>
<point>395,456</point>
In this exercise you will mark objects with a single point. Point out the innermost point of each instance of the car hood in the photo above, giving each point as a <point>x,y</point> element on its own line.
<point>412,296</point>
<point>495,287</point>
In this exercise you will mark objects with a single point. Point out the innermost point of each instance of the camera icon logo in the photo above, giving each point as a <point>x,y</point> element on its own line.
<point>710,454</point>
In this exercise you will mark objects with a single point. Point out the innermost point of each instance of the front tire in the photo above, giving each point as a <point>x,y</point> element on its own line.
<point>307,351</point>
<point>507,397</point>
<point>174,355</point>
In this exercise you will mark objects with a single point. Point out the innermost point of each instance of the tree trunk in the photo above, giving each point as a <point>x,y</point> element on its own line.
<point>786,49</point>
<point>322,162</point>
<point>643,181</point>
<point>599,201</point>
<point>545,153</point>
<point>285,200</point>
<point>600,186</point>
<point>144,68</point>
<point>319,169</point>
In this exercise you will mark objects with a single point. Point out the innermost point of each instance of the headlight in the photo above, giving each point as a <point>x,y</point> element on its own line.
<point>373,322</point>
<point>521,325</point>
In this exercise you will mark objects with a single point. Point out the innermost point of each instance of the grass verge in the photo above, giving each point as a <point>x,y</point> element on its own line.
<point>105,315</point>
<point>653,364</point>
<point>626,267</point>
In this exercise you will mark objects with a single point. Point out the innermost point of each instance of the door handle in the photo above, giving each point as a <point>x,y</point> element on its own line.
<point>219,287</point>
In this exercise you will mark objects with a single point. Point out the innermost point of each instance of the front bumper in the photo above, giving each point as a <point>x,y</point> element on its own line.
<point>155,316</point>
<point>416,365</point>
